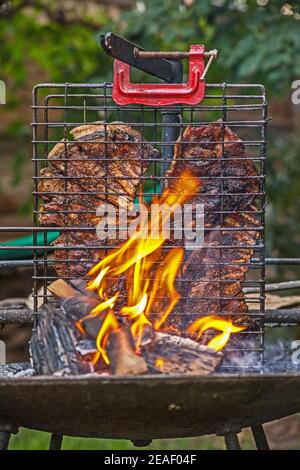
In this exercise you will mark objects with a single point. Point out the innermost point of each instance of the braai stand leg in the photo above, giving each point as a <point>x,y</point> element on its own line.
<point>4,440</point>
<point>232,441</point>
<point>56,441</point>
<point>260,437</point>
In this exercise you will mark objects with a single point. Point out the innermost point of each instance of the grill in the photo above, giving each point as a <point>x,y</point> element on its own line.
<point>57,109</point>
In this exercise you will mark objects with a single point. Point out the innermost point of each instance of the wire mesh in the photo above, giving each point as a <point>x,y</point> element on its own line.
<point>65,199</point>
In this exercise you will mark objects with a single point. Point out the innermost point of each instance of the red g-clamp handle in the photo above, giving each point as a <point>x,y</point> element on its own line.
<point>160,94</point>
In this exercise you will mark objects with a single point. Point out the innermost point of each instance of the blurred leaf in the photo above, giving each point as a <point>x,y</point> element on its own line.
<point>17,167</point>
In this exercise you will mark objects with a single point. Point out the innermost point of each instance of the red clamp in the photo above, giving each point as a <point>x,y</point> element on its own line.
<point>161,94</point>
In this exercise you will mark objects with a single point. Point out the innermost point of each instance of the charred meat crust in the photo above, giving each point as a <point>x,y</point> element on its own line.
<point>103,164</point>
<point>212,276</point>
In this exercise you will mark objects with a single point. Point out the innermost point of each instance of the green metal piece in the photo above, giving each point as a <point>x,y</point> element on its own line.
<point>27,240</point>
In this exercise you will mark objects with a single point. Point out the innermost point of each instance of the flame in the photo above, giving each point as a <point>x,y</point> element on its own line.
<point>150,280</point>
<point>159,362</point>
<point>198,327</point>
<point>110,323</point>
<point>164,284</point>
<point>136,312</point>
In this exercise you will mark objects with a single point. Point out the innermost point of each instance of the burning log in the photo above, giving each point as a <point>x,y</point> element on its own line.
<point>77,305</point>
<point>53,345</point>
<point>57,346</point>
<point>81,286</point>
<point>123,360</point>
<point>62,289</point>
<point>172,354</point>
<point>79,309</point>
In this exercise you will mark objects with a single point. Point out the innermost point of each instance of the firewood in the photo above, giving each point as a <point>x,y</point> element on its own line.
<point>62,289</point>
<point>78,307</point>
<point>53,345</point>
<point>123,359</point>
<point>172,354</point>
<point>81,286</point>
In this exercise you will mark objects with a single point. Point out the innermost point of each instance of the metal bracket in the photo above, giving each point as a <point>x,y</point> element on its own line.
<point>160,94</point>
<point>119,48</point>
<point>165,65</point>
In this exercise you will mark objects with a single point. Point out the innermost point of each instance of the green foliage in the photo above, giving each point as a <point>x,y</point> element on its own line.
<point>18,161</point>
<point>283,193</point>
<point>64,53</point>
<point>258,44</point>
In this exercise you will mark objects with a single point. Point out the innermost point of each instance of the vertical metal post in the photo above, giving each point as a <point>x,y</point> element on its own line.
<point>262,253</point>
<point>171,123</point>
<point>35,202</point>
<point>4,440</point>
<point>232,441</point>
<point>260,437</point>
<point>56,441</point>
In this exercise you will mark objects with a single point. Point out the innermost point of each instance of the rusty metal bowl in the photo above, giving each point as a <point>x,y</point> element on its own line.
<point>147,407</point>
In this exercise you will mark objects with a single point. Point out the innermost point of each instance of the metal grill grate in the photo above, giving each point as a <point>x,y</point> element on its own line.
<point>57,108</point>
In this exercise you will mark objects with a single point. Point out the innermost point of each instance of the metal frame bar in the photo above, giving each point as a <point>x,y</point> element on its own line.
<point>88,98</point>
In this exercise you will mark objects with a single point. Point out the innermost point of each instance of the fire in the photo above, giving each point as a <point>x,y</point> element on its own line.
<point>110,323</point>
<point>159,362</point>
<point>198,327</point>
<point>147,274</point>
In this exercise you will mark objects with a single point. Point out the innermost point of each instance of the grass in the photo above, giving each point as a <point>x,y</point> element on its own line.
<point>35,440</point>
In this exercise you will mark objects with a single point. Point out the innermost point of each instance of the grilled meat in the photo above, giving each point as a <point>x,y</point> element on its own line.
<point>105,159</point>
<point>229,179</point>
<point>103,164</point>
<point>212,277</point>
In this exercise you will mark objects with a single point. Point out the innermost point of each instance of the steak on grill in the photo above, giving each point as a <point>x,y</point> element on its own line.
<point>217,156</point>
<point>106,160</point>
<point>212,276</point>
<point>103,164</point>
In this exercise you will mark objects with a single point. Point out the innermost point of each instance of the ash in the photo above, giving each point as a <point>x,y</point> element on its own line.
<point>279,358</point>
<point>23,369</point>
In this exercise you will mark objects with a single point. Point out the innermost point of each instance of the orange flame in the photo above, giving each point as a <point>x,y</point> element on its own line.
<point>159,362</point>
<point>137,259</point>
<point>198,327</point>
<point>110,323</point>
